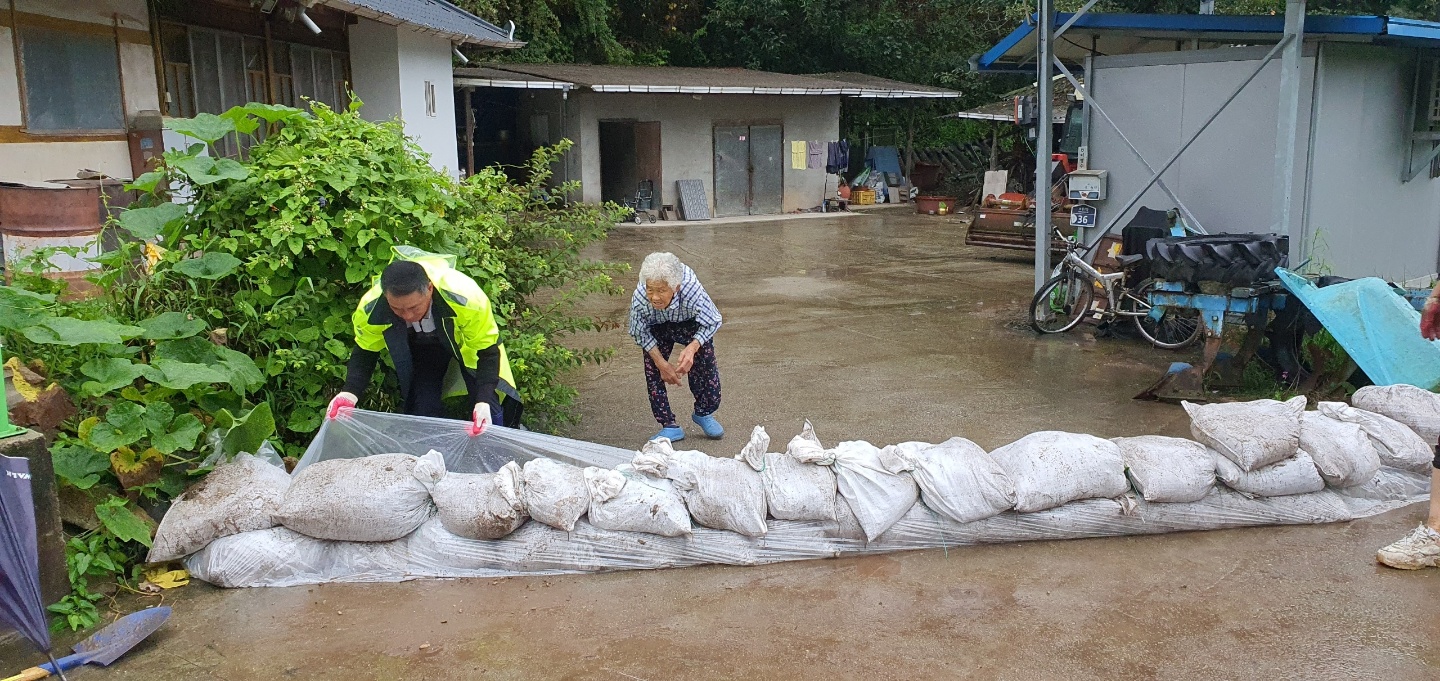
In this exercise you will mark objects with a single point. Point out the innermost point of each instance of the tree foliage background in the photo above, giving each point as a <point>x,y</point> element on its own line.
<point>920,41</point>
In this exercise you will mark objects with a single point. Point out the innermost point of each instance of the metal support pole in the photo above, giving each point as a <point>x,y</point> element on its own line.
<point>1045,129</point>
<point>1196,135</point>
<point>1287,122</point>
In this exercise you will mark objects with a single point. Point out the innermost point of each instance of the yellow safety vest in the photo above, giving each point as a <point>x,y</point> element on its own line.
<point>462,315</point>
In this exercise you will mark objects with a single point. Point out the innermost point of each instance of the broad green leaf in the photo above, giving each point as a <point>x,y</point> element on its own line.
<point>79,465</point>
<point>158,417</point>
<point>203,170</point>
<point>123,425</point>
<point>181,436</point>
<point>244,124</point>
<point>117,517</point>
<point>244,375</point>
<point>20,308</point>
<point>148,223</point>
<point>304,420</point>
<point>146,182</point>
<point>109,373</point>
<point>337,348</point>
<point>171,325</point>
<point>212,265</point>
<point>216,402</point>
<point>205,127</point>
<point>247,433</point>
<point>183,375</point>
<point>193,349</point>
<point>71,331</point>
<point>271,113</point>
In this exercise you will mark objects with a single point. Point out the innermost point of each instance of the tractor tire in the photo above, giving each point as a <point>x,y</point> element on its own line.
<point>1229,259</point>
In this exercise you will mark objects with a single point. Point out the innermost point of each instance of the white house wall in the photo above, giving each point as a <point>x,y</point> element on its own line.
<point>687,135</point>
<point>390,67</point>
<point>24,156</point>
<point>1361,219</point>
<point>1160,99</point>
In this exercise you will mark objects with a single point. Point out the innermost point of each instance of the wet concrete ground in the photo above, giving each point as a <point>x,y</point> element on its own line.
<point>882,327</point>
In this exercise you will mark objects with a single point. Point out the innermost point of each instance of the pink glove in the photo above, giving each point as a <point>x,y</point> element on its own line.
<point>480,419</point>
<point>341,405</point>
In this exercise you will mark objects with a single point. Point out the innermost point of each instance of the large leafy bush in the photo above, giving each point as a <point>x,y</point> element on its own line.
<point>223,319</point>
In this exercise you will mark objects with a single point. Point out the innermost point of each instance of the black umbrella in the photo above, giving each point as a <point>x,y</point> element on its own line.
<point>20,604</point>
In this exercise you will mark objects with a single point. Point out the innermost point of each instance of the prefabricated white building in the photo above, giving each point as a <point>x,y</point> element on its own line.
<point>1367,202</point>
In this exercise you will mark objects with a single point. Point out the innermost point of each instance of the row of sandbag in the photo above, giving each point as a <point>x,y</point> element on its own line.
<point>282,557</point>
<point>1266,448</point>
<point>1272,448</point>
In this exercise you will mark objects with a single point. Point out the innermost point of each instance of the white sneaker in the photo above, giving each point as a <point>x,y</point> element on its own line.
<point>1419,549</point>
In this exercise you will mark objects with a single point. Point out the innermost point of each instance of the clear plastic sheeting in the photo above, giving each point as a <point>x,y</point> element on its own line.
<point>363,433</point>
<point>281,557</point>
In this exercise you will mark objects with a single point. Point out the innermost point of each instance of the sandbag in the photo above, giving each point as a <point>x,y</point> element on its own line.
<point>721,493</point>
<point>1295,475</point>
<point>626,500</point>
<point>481,505</point>
<point>276,556</point>
<point>1342,451</point>
<point>1050,468</point>
<point>554,493</point>
<point>1415,407</point>
<point>1397,445</point>
<point>373,498</point>
<point>877,497</point>
<point>1168,469</point>
<point>957,478</point>
<point>1251,434</point>
<point>239,496</point>
<point>794,490</point>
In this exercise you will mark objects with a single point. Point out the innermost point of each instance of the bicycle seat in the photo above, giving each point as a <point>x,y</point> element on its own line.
<point>1128,261</point>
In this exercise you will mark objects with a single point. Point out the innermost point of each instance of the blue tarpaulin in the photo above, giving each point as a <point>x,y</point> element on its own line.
<point>885,160</point>
<point>1379,328</point>
<point>20,604</point>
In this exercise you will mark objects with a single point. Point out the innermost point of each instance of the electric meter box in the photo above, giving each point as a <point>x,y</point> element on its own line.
<point>1087,185</point>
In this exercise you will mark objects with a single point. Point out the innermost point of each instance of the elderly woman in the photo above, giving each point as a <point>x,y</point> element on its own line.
<point>670,306</point>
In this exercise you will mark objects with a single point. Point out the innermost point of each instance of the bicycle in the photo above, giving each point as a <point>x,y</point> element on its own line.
<point>1065,300</point>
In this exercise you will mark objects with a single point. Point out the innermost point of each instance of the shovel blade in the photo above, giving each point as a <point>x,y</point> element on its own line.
<point>108,644</point>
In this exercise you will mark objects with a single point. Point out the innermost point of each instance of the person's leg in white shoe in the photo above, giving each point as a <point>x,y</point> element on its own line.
<point>1420,548</point>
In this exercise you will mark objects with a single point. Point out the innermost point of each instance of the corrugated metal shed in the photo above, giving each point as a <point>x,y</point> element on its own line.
<point>483,76</point>
<point>436,17</point>
<point>1004,108</point>
<point>688,80</point>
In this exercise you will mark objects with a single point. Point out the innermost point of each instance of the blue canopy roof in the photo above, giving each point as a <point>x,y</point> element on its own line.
<point>1131,33</point>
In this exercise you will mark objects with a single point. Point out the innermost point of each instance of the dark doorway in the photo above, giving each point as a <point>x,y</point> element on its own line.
<point>749,170</point>
<point>629,155</point>
<point>488,130</point>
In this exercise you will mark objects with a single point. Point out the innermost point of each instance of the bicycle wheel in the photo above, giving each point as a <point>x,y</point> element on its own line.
<point>1061,303</point>
<point>1174,329</point>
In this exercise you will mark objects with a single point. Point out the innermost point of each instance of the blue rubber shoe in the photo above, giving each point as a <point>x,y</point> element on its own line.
<point>671,433</point>
<point>712,428</point>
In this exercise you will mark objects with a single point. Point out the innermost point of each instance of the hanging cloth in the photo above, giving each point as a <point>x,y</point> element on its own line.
<point>813,152</point>
<point>797,155</point>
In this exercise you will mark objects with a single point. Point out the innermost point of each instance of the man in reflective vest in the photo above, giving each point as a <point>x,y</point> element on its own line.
<point>442,337</point>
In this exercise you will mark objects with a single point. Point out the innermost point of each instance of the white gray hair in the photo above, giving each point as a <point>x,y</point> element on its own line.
<point>662,267</point>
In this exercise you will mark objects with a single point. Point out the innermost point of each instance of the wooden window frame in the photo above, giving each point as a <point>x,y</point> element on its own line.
<point>17,27</point>
<point>271,83</point>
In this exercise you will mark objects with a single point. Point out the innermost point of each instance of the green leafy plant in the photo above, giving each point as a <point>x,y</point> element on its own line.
<point>224,321</point>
